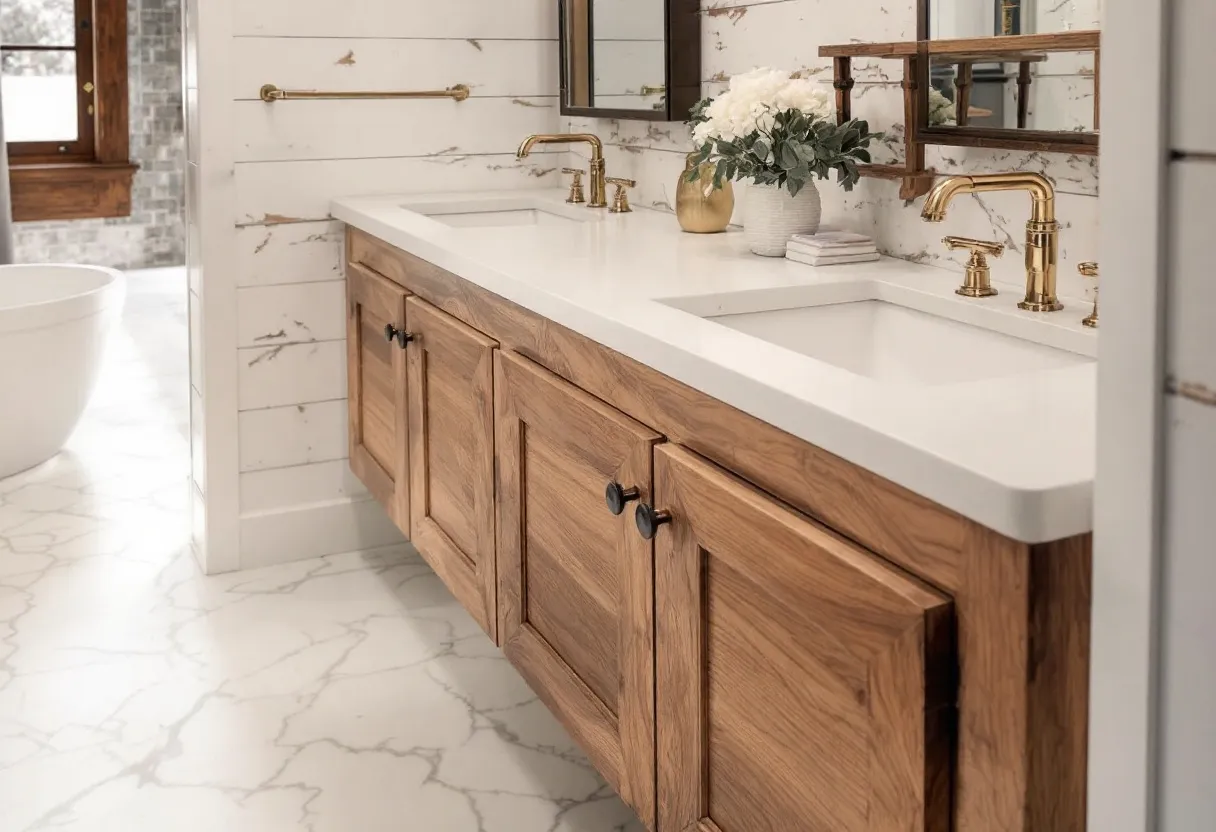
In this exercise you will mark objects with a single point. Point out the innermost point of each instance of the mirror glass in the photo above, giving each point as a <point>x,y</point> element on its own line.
<point>1027,90</point>
<point>986,18</point>
<point>616,54</point>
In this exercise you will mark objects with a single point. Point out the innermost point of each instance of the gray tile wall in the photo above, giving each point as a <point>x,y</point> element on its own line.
<point>154,234</point>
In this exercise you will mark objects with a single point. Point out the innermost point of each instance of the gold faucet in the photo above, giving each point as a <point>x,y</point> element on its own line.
<point>1042,230</point>
<point>598,191</point>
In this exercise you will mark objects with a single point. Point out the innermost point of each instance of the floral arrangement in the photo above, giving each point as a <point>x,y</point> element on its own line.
<point>775,129</point>
<point>941,109</point>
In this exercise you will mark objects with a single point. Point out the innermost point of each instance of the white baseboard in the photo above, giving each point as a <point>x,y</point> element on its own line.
<point>315,530</point>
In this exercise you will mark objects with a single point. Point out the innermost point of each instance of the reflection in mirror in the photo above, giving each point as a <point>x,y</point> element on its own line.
<point>616,57</point>
<point>1051,91</point>
<point>985,18</point>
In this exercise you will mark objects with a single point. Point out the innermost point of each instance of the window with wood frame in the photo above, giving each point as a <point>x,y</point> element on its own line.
<point>64,68</point>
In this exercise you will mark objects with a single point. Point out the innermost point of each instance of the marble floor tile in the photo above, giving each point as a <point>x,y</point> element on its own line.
<point>347,694</point>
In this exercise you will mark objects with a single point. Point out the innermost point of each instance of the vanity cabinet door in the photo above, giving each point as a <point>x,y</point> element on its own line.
<point>576,588</point>
<point>375,370</point>
<point>802,682</point>
<point>451,429</point>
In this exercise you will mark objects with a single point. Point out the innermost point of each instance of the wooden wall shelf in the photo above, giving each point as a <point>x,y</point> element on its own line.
<point>915,179</point>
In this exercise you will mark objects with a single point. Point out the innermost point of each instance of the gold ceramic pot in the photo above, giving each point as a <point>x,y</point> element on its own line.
<point>698,213</point>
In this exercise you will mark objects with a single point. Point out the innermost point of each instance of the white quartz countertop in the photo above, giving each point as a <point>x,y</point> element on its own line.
<point>1014,452</point>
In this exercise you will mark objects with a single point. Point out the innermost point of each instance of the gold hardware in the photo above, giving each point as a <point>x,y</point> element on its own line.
<point>1089,269</point>
<point>90,109</point>
<point>978,282</point>
<point>88,86</point>
<point>620,199</point>
<point>1042,230</point>
<point>654,89</point>
<point>576,187</point>
<point>598,193</point>
<point>270,94</point>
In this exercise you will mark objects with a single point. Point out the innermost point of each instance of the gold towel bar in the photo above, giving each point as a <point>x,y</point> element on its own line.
<point>270,93</point>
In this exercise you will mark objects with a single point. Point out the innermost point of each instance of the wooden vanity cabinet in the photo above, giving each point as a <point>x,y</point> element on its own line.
<point>451,451</point>
<point>576,581</point>
<point>802,682</point>
<point>376,386</point>
<point>804,646</point>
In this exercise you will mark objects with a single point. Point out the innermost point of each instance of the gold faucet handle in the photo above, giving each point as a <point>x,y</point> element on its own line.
<point>576,186</point>
<point>620,199</point>
<point>980,247</point>
<point>1090,269</point>
<point>978,280</point>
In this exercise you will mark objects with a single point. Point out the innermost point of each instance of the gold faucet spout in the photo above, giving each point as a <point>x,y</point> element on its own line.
<point>596,179</point>
<point>1042,230</point>
<point>1042,194</point>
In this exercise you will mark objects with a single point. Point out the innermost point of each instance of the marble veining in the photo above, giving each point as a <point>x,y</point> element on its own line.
<point>346,693</point>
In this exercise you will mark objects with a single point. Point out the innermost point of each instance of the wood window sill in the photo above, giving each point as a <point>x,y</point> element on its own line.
<point>72,191</point>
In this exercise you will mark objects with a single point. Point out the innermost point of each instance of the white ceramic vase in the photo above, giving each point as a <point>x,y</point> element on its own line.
<point>771,216</point>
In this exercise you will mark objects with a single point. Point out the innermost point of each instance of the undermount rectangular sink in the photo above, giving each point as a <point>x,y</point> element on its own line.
<point>888,342</point>
<point>502,213</point>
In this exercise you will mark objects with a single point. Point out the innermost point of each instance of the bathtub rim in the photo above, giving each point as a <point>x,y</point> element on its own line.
<point>107,297</point>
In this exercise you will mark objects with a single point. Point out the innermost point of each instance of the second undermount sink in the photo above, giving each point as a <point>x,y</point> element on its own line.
<point>893,343</point>
<point>505,212</point>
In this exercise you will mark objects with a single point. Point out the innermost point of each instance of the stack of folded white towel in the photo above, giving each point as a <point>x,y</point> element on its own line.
<point>829,248</point>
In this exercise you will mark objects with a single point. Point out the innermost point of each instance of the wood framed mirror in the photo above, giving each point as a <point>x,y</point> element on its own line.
<point>1014,74</point>
<point>630,59</point>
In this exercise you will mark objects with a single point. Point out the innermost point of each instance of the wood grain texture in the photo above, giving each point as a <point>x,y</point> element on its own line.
<point>892,521</point>
<point>71,192</point>
<point>576,586</point>
<point>112,125</point>
<point>800,680</point>
<point>451,451</point>
<point>1024,642</point>
<point>1061,600</point>
<point>377,392</point>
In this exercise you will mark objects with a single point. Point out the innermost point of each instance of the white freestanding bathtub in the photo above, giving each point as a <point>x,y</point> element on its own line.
<point>55,322</point>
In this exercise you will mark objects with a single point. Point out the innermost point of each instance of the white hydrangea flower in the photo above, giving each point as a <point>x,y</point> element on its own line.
<point>753,100</point>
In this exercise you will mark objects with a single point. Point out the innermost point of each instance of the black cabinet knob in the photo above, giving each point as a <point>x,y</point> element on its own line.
<point>616,496</point>
<point>649,519</point>
<point>391,333</point>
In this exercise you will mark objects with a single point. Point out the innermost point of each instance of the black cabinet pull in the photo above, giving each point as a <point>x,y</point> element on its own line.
<point>391,333</point>
<point>649,519</point>
<point>616,496</point>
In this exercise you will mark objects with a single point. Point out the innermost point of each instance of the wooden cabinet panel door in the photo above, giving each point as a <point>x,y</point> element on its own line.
<point>451,428</point>
<point>376,383</point>
<point>576,589</point>
<point>803,684</point>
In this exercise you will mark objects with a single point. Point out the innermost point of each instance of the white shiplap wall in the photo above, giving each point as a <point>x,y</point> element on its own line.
<point>739,35</point>
<point>1188,626</point>
<point>273,417</point>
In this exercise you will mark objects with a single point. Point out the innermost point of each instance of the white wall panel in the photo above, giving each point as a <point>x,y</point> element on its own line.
<point>1191,357</point>
<point>1188,685</point>
<point>291,314</point>
<point>298,130</point>
<point>1194,65</point>
<point>315,530</point>
<point>296,191</point>
<point>491,68</point>
<point>307,252</point>
<point>291,374</point>
<point>281,488</point>
<point>298,434</point>
<point>454,19</point>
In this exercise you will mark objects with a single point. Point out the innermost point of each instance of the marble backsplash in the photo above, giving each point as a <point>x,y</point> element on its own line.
<point>739,35</point>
